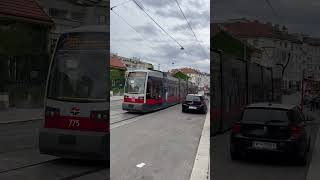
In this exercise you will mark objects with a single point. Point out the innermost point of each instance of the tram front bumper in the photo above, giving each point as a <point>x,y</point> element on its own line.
<point>134,107</point>
<point>74,144</point>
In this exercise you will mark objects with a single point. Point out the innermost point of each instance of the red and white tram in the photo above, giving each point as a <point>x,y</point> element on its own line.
<point>76,122</point>
<point>149,90</point>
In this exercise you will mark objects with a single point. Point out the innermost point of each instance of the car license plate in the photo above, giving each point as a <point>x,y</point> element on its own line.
<point>264,145</point>
<point>67,139</point>
<point>192,107</point>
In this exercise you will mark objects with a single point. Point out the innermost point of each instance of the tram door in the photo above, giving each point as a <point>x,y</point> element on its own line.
<point>155,93</point>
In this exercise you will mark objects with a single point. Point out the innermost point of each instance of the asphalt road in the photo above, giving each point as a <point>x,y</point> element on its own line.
<point>20,158</point>
<point>163,142</point>
<point>256,166</point>
<point>166,141</point>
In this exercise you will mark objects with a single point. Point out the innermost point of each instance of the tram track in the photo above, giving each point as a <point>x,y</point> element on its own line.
<point>76,176</point>
<point>84,168</point>
<point>29,165</point>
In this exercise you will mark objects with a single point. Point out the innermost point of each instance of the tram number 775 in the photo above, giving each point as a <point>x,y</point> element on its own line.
<point>74,123</point>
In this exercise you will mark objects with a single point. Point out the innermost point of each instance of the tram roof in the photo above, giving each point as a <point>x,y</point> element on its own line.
<point>92,28</point>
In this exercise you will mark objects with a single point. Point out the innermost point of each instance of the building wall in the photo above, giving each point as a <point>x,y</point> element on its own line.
<point>68,14</point>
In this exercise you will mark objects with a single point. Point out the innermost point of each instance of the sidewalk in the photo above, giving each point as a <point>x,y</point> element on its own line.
<point>201,166</point>
<point>313,171</point>
<point>13,115</point>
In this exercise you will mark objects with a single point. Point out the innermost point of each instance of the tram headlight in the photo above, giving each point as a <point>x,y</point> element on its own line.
<point>99,115</point>
<point>51,112</point>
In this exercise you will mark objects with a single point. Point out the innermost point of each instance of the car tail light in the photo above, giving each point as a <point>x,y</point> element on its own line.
<point>236,128</point>
<point>295,130</point>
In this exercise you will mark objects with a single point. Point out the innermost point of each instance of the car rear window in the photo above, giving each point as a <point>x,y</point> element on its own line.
<point>192,98</point>
<point>263,115</point>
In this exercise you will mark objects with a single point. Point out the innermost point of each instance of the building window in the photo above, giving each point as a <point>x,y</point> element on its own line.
<point>58,13</point>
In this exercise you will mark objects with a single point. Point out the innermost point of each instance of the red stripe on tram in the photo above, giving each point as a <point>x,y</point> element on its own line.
<point>77,123</point>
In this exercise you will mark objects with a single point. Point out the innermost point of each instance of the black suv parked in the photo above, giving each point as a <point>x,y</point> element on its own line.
<point>266,127</point>
<point>194,103</point>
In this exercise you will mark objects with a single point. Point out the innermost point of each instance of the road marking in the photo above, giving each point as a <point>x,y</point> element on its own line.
<point>140,165</point>
<point>201,163</point>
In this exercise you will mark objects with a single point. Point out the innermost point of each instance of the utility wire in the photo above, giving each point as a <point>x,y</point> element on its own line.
<point>120,4</point>
<point>272,9</point>
<point>130,27</point>
<point>142,9</point>
<point>194,34</point>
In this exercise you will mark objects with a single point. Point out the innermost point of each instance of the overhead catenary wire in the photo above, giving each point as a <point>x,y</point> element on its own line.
<point>120,4</point>
<point>142,9</point>
<point>125,21</point>
<point>272,9</point>
<point>190,27</point>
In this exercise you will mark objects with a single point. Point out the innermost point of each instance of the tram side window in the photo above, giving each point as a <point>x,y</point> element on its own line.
<point>150,92</point>
<point>154,87</point>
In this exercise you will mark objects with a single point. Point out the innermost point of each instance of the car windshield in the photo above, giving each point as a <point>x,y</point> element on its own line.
<point>135,83</point>
<point>264,115</point>
<point>193,98</point>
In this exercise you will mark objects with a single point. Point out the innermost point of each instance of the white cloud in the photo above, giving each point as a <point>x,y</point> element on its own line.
<point>151,44</point>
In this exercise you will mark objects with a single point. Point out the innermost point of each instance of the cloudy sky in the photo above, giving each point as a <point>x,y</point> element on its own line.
<point>297,15</point>
<point>151,44</point>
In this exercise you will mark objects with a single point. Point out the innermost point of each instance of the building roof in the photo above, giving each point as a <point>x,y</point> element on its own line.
<point>246,28</point>
<point>187,70</point>
<point>272,105</point>
<point>28,10</point>
<point>116,62</point>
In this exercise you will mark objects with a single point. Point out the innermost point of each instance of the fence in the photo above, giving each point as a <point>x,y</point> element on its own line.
<point>236,83</point>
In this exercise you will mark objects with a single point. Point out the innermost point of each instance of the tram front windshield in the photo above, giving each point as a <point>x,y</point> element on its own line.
<point>77,75</point>
<point>135,83</point>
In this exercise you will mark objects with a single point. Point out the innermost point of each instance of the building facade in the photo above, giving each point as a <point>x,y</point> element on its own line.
<point>68,14</point>
<point>24,52</point>
<point>292,54</point>
<point>200,79</point>
<point>135,63</point>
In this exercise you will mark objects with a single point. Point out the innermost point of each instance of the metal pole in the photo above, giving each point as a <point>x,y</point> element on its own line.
<point>221,94</point>
<point>247,73</point>
<point>272,88</point>
<point>302,91</point>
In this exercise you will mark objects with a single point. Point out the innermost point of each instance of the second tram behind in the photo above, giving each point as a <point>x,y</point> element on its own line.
<point>149,90</point>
